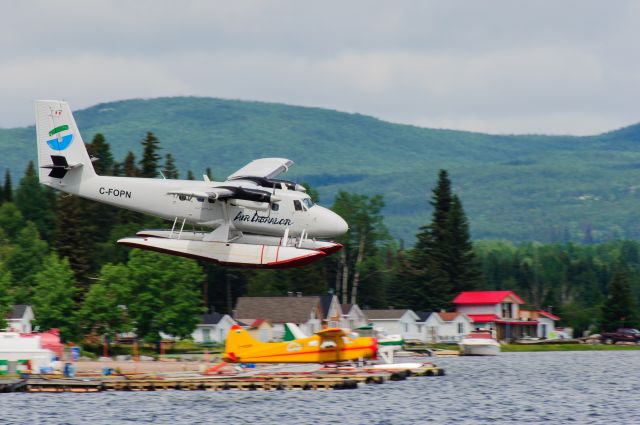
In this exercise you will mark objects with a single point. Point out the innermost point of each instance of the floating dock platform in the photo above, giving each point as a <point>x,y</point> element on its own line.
<point>322,380</point>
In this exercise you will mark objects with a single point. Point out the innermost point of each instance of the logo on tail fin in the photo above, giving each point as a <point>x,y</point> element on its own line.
<point>60,143</point>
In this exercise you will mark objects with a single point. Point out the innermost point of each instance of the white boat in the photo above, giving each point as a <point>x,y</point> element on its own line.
<point>479,343</point>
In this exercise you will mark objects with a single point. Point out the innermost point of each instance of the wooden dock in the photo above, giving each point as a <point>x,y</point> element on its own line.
<point>321,380</point>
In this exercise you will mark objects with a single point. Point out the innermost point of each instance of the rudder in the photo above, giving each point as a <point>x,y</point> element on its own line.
<point>61,150</point>
<point>238,340</point>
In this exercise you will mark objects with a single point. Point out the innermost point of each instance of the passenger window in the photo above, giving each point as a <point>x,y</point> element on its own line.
<point>297,205</point>
<point>275,207</point>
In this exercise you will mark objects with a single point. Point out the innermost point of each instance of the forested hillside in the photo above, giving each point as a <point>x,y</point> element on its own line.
<point>550,189</point>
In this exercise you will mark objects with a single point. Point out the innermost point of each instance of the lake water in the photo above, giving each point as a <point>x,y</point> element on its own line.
<point>513,388</point>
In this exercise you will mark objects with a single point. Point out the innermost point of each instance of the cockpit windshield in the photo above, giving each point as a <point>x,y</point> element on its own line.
<point>307,202</point>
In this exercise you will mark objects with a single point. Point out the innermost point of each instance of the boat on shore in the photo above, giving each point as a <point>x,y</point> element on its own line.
<point>479,343</point>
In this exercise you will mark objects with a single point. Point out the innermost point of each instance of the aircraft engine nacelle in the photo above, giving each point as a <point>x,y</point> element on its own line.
<point>255,195</point>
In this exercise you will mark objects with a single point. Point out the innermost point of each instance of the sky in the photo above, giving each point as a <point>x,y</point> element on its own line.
<point>502,67</point>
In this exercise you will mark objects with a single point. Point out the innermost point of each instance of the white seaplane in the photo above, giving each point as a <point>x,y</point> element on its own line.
<point>256,220</point>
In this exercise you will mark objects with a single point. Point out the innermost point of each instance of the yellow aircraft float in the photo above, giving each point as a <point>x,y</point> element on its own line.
<point>326,346</point>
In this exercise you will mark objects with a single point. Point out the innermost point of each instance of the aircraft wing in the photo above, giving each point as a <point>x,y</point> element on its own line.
<point>332,333</point>
<point>267,168</point>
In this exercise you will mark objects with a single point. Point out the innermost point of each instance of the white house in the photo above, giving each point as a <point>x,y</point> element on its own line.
<point>352,317</point>
<point>393,321</point>
<point>20,318</point>
<point>331,311</point>
<point>213,328</point>
<point>428,326</point>
<point>454,326</point>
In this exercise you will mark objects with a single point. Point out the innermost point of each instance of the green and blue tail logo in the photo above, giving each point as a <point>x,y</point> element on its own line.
<point>60,143</point>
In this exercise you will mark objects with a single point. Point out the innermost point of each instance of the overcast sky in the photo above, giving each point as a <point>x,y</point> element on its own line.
<point>554,67</point>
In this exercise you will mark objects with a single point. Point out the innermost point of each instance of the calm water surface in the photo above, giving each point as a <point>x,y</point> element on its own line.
<point>513,388</point>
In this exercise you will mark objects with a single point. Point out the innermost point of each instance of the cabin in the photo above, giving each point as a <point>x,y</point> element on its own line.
<point>352,317</point>
<point>546,328</point>
<point>261,330</point>
<point>400,321</point>
<point>428,326</point>
<point>305,311</point>
<point>20,318</point>
<point>213,327</point>
<point>499,311</point>
<point>455,326</point>
<point>331,311</point>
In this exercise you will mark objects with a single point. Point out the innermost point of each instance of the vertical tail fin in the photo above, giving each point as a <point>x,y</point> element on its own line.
<point>62,154</point>
<point>238,342</point>
<point>292,331</point>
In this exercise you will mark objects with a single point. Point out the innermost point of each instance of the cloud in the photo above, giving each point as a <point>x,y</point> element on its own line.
<point>497,66</point>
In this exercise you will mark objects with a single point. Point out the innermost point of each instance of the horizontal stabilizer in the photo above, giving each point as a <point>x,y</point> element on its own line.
<point>59,166</point>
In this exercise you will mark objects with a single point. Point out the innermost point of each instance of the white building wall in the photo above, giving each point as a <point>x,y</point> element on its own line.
<point>479,309</point>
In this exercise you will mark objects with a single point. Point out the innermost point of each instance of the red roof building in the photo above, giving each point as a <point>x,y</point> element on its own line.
<point>500,311</point>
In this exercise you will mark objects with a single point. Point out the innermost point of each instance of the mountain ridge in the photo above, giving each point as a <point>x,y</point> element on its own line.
<point>517,187</point>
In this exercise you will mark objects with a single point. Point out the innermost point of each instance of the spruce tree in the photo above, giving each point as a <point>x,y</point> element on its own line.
<point>129,168</point>
<point>7,190</point>
<point>619,309</point>
<point>100,149</point>
<point>35,203</point>
<point>190,175</point>
<point>443,261</point>
<point>6,297</point>
<point>76,238</point>
<point>170,170</point>
<point>150,157</point>
<point>464,270</point>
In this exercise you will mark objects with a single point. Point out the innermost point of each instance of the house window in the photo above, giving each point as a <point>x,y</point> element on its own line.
<point>206,335</point>
<point>460,328</point>
<point>406,327</point>
<point>506,310</point>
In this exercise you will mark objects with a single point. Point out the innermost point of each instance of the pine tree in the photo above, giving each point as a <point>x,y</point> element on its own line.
<point>150,157</point>
<point>35,203</point>
<point>103,217</point>
<point>170,170</point>
<point>76,238</point>
<point>129,168</point>
<point>6,298</point>
<point>100,149</point>
<point>7,189</point>
<point>464,271</point>
<point>619,309</point>
<point>443,261</point>
<point>190,175</point>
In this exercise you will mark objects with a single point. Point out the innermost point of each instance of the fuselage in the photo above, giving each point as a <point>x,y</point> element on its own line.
<point>294,210</point>
<point>313,349</point>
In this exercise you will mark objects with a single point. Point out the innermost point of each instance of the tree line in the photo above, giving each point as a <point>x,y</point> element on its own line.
<point>59,254</point>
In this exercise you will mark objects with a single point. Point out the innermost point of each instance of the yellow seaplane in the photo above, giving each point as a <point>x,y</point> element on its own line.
<point>326,346</point>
